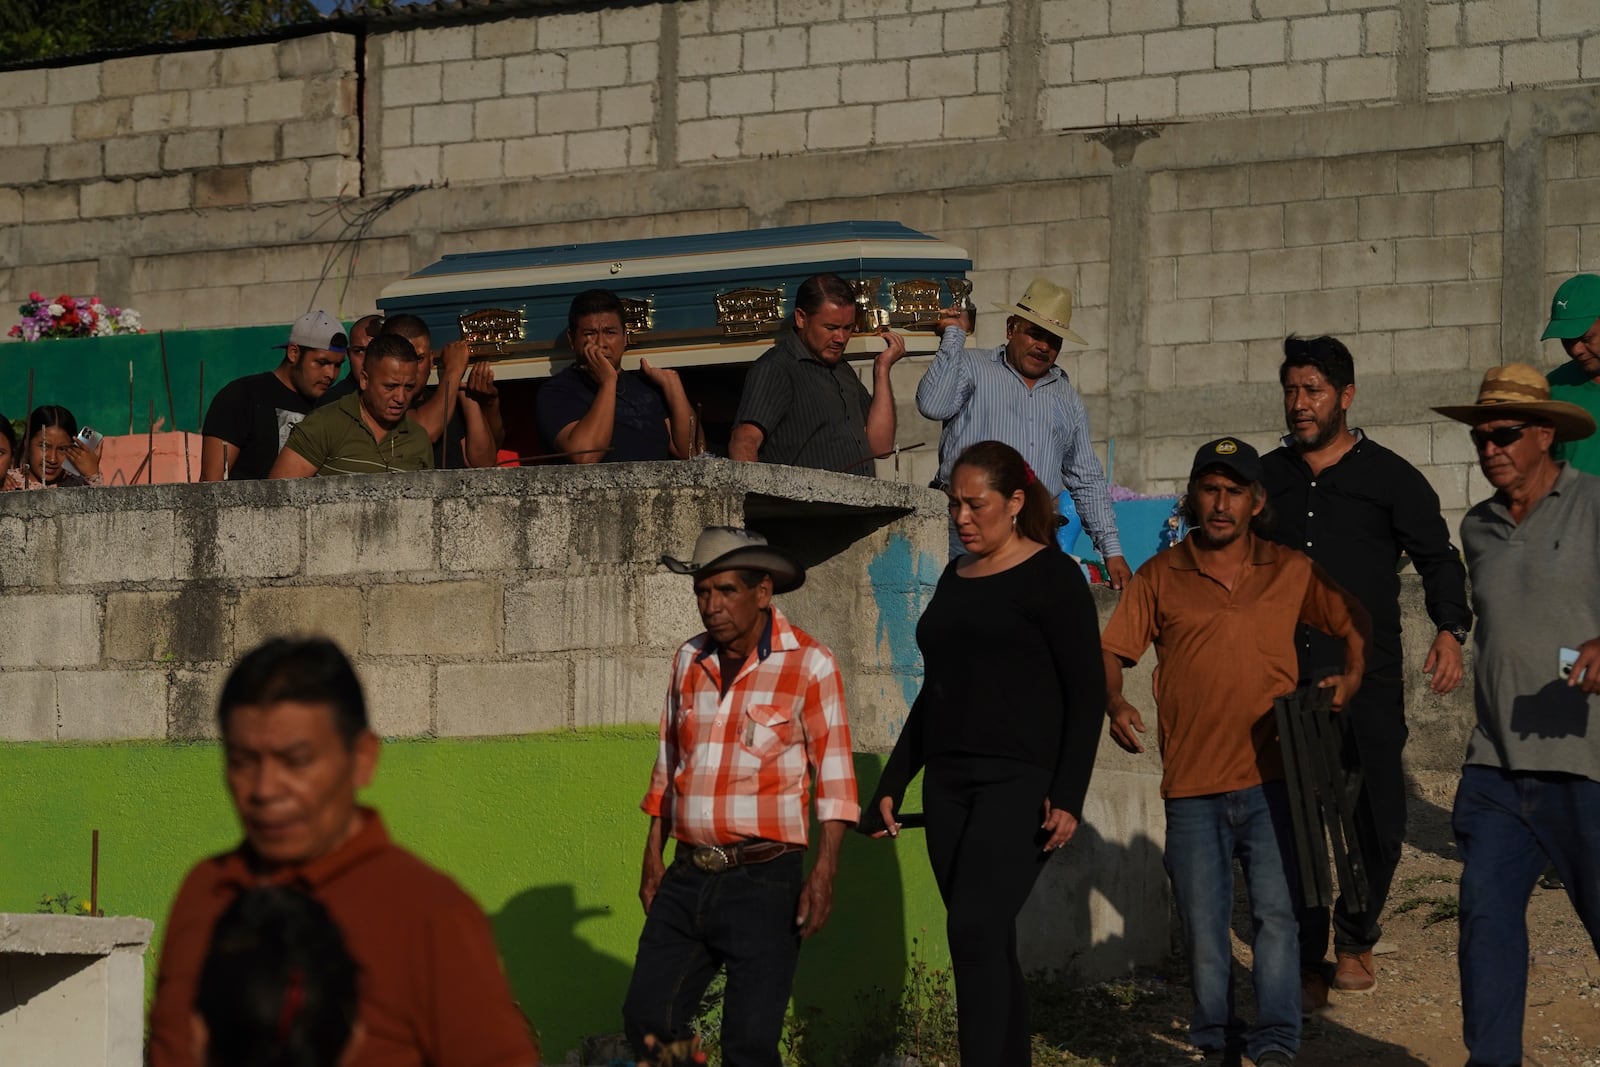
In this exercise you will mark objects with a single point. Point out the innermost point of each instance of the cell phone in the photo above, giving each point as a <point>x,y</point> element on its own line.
<point>89,438</point>
<point>1569,659</point>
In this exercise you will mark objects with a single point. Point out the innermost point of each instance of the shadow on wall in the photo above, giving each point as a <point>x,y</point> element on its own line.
<point>552,969</point>
<point>1095,884</point>
<point>852,973</point>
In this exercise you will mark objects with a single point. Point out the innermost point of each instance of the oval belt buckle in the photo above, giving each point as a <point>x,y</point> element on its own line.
<point>711,859</point>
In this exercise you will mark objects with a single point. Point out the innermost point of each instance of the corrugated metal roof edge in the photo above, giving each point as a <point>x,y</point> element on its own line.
<point>437,12</point>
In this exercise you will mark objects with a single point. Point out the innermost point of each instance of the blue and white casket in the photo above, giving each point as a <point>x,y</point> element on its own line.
<point>699,300</point>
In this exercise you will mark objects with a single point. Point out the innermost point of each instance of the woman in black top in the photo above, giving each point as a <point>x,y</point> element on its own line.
<point>1005,728</point>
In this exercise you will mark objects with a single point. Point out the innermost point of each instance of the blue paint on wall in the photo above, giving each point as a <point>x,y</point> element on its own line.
<point>902,583</point>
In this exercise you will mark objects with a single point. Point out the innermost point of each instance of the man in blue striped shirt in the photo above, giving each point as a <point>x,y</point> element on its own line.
<point>1017,395</point>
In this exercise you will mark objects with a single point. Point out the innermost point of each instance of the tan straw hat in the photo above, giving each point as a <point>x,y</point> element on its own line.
<point>1516,391</point>
<point>1046,304</point>
<point>726,548</point>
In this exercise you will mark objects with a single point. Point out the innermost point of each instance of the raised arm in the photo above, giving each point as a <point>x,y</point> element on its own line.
<point>880,416</point>
<point>480,411</point>
<point>434,413</point>
<point>947,385</point>
<point>680,416</point>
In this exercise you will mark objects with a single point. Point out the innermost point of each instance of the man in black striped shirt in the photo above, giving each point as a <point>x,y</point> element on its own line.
<point>803,405</point>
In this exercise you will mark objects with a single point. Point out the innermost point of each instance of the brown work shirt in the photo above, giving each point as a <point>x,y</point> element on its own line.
<point>1223,655</point>
<point>432,991</point>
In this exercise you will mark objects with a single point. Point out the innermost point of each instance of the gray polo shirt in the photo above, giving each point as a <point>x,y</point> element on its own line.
<point>1536,590</point>
<point>810,414</point>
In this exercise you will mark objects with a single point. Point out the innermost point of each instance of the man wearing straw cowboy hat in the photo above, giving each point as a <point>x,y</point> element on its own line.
<point>1017,395</point>
<point>1530,784</point>
<point>754,717</point>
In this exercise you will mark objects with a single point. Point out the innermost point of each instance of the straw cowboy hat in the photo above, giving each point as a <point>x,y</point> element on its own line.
<point>1046,304</point>
<point>726,548</point>
<point>1517,391</point>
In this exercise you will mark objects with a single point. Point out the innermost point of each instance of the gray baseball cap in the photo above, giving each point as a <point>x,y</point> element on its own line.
<point>317,329</point>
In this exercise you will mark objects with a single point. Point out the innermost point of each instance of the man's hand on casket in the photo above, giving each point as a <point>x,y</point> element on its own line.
<point>453,361</point>
<point>479,386</point>
<point>894,348</point>
<point>948,317</point>
<point>1126,725</point>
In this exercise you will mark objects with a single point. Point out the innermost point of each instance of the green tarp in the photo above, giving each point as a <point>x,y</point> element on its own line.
<point>89,376</point>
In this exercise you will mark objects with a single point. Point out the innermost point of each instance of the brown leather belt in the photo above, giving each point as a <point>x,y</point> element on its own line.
<point>714,859</point>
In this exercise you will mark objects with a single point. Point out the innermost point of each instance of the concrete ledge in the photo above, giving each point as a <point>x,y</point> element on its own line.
<point>472,602</point>
<point>71,934</point>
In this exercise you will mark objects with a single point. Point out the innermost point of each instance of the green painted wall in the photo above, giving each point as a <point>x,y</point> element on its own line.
<point>543,830</point>
<point>89,376</point>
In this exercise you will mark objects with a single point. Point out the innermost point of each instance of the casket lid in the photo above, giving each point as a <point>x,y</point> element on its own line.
<point>856,246</point>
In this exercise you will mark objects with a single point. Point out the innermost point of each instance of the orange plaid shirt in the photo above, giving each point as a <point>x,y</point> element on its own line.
<point>738,766</point>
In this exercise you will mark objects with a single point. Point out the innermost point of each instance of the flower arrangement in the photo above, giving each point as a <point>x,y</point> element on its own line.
<point>72,316</point>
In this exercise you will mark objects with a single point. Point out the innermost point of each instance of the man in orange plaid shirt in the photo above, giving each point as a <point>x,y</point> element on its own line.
<point>754,715</point>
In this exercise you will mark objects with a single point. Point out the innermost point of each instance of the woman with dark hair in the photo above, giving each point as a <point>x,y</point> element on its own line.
<point>10,450</point>
<point>1005,729</point>
<point>278,987</point>
<point>53,456</point>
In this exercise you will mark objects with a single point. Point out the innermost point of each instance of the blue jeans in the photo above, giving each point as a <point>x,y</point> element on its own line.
<point>741,919</point>
<point>1506,825</point>
<point>1204,836</point>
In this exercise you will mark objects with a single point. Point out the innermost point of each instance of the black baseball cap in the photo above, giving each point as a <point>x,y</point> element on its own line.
<point>1232,455</point>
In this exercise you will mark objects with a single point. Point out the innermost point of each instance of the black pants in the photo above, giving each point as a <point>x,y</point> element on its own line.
<point>985,845</point>
<point>1374,725</point>
<point>741,919</point>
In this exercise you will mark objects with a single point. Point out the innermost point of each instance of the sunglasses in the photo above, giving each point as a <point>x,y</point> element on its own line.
<point>1500,436</point>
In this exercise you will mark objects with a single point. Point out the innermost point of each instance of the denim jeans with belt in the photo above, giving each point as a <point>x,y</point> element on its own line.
<point>1506,824</point>
<point>1204,836</point>
<point>741,919</point>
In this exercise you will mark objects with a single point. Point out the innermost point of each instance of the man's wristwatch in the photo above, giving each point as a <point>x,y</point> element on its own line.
<point>1456,631</point>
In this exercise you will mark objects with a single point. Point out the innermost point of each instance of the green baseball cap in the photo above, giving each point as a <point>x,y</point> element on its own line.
<point>1575,308</point>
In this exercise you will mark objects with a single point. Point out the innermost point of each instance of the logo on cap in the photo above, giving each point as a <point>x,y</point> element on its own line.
<point>1226,447</point>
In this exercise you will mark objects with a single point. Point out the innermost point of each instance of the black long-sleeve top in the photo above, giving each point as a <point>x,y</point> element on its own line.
<point>1012,668</point>
<point>1355,518</point>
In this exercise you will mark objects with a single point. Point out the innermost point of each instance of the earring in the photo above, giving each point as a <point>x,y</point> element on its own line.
<point>1013,522</point>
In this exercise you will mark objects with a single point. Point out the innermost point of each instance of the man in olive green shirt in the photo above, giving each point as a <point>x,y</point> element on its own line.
<point>369,431</point>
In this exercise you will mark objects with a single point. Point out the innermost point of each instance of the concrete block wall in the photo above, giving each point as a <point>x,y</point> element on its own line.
<point>495,602</point>
<point>211,128</point>
<point>522,98</point>
<point>1111,60</point>
<point>1336,176</point>
<point>1476,45</point>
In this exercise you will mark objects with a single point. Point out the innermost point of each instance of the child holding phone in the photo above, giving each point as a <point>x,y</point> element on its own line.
<point>55,454</point>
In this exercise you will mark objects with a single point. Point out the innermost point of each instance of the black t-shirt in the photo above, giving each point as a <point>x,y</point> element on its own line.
<point>255,413</point>
<point>639,431</point>
<point>1012,668</point>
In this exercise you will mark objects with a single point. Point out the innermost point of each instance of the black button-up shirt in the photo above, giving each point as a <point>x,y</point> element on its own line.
<point>1355,519</point>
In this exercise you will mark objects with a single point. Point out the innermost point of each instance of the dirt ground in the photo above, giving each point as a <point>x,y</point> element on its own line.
<point>1413,1017</point>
